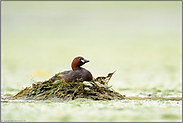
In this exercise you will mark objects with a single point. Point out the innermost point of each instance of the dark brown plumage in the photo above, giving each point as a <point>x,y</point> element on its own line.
<point>77,73</point>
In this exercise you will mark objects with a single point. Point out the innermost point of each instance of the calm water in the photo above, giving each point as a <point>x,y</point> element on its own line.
<point>141,40</point>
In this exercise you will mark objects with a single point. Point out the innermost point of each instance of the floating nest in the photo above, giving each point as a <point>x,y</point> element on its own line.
<point>59,90</point>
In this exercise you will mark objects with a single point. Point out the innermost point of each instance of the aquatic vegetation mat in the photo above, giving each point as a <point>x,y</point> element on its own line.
<point>59,90</point>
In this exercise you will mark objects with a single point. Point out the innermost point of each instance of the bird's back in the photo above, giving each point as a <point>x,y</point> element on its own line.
<point>77,75</point>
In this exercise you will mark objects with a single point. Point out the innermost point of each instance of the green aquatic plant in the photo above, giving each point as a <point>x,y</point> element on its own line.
<point>59,90</point>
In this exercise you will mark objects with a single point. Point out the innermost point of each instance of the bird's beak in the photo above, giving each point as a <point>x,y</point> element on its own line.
<point>85,61</point>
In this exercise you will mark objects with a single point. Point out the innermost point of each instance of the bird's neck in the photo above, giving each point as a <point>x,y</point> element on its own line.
<point>76,67</point>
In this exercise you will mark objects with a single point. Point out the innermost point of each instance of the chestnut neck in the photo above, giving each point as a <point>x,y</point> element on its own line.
<point>75,64</point>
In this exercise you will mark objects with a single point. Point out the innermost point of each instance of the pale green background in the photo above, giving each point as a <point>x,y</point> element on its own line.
<point>141,40</point>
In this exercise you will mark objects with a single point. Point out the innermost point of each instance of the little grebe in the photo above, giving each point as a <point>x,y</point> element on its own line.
<point>77,73</point>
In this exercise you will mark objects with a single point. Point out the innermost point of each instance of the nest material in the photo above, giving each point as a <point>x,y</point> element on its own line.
<point>59,90</point>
